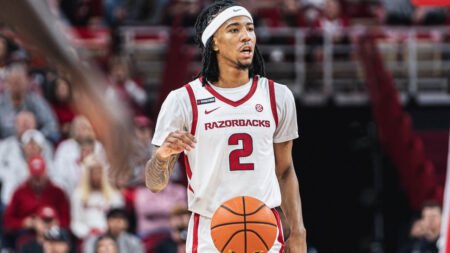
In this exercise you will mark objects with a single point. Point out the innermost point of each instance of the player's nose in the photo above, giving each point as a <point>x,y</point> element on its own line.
<point>246,36</point>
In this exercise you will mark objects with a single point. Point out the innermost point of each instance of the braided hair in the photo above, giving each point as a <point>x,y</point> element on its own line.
<point>210,66</point>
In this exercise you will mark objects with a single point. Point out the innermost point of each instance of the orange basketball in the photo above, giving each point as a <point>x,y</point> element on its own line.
<point>243,225</point>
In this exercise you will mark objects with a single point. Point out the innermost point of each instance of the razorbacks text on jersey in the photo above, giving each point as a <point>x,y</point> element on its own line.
<point>234,153</point>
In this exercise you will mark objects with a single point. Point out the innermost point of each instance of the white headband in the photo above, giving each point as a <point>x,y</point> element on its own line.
<point>231,12</point>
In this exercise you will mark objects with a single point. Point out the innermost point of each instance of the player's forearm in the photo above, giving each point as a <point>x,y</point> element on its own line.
<point>158,171</point>
<point>291,203</point>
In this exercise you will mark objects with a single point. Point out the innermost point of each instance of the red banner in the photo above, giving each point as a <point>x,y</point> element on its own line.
<point>431,2</point>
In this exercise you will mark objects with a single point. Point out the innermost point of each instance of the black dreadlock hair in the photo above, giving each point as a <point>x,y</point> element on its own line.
<point>210,68</point>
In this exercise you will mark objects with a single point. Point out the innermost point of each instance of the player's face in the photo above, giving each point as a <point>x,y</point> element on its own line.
<point>234,42</point>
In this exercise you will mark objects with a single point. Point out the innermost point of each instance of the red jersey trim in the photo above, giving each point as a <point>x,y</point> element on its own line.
<point>194,108</point>
<point>195,235</point>
<point>188,172</point>
<point>280,229</point>
<point>273,102</point>
<point>230,102</point>
<point>446,246</point>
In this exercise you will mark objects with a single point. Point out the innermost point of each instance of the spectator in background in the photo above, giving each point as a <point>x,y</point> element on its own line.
<point>6,48</point>
<point>45,219</point>
<point>57,240</point>
<point>129,12</point>
<point>425,232</point>
<point>11,147</point>
<point>114,12</point>
<point>148,11</point>
<point>143,128</point>
<point>291,13</point>
<point>17,98</point>
<point>71,152</point>
<point>432,217</point>
<point>333,23</point>
<point>38,191</point>
<point>15,154</point>
<point>82,13</point>
<point>117,228</point>
<point>182,13</point>
<point>61,102</point>
<point>106,244</point>
<point>124,87</point>
<point>154,219</point>
<point>415,237</point>
<point>179,221</point>
<point>93,197</point>
<point>402,12</point>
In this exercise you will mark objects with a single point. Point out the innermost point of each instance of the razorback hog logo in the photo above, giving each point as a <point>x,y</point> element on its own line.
<point>259,108</point>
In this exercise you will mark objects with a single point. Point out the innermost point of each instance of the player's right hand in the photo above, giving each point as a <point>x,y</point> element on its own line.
<point>176,142</point>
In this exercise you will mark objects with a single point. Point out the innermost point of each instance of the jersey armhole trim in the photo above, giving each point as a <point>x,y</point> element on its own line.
<point>188,172</point>
<point>194,108</point>
<point>273,102</point>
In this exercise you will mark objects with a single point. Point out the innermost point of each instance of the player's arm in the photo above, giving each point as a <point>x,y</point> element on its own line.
<point>159,168</point>
<point>290,192</point>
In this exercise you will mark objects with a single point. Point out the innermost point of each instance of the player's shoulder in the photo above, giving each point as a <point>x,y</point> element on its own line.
<point>182,91</point>
<point>281,90</point>
<point>178,94</point>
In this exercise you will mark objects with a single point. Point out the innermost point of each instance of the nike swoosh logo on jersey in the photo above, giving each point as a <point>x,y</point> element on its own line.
<point>210,111</point>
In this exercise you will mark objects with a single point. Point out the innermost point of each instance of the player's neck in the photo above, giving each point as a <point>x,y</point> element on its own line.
<point>232,78</point>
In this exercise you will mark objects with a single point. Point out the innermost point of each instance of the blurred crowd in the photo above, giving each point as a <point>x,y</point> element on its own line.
<point>55,192</point>
<point>56,195</point>
<point>266,12</point>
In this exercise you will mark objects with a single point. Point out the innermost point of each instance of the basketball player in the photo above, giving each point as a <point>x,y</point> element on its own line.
<point>235,127</point>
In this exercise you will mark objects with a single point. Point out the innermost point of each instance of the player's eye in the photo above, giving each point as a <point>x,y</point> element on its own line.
<point>234,30</point>
<point>251,29</point>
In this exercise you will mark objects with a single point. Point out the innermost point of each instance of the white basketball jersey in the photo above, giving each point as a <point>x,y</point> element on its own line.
<point>234,154</point>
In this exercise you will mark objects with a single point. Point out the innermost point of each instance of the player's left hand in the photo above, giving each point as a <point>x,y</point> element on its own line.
<point>295,244</point>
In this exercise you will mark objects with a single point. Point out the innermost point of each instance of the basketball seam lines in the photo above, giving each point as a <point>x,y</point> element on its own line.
<point>245,226</point>
<point>239,231</point>
<point>249,222</point>
<point>238,214</point>
<point>260,238</point>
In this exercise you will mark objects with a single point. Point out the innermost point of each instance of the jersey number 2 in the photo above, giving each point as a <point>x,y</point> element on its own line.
<point>247,150</point>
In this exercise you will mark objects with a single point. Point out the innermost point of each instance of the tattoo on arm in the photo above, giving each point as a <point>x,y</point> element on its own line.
<point>158,171</point>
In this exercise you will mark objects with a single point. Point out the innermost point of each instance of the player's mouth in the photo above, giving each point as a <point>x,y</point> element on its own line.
<point>246,52</point>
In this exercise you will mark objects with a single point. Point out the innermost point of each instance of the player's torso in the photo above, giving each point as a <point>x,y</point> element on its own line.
<point>234,151</point>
